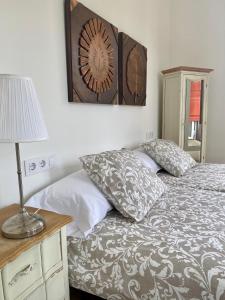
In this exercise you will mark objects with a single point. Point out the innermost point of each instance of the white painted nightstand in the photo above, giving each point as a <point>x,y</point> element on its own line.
<point>35,268</point>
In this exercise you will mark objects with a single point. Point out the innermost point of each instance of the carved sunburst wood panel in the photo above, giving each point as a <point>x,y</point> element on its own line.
<point>92,56</point>
<point>96,56</point>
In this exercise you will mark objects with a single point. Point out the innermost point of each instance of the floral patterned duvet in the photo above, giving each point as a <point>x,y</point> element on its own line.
<point>202,176</point>
<point>176,252</point>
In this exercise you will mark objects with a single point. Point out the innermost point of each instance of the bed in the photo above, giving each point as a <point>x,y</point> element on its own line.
<point>137,235</point>
<point>176,252</point>
<point>202,176</point>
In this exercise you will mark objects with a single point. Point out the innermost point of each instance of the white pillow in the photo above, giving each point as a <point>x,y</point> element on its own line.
<point>147,160</point>
<point>75,195</point>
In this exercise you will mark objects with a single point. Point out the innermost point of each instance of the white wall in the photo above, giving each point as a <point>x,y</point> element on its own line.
<point>198,39</point>
<point>33,44</point>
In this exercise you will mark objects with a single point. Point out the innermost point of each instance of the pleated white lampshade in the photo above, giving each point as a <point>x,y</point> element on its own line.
<point>20,114</point>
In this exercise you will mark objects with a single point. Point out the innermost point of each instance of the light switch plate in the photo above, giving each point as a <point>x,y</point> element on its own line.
<point>149,135</point>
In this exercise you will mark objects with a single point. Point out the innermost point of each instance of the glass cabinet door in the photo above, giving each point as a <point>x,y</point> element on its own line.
<point>193,117</point>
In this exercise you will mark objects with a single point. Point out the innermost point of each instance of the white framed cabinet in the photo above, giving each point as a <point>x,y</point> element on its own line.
<point>185,103</point>
<point>35,268</point>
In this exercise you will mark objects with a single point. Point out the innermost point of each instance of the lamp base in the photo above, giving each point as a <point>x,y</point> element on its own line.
<point>23,225</point>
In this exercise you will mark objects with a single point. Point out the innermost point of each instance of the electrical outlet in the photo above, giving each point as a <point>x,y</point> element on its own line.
<point>38,165</point>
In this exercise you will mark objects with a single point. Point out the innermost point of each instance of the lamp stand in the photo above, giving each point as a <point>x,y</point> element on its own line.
<point>23,224</point>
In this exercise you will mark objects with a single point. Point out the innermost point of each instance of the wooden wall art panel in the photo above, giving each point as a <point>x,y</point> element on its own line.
<point>92,56</point>
<point>132,71</point>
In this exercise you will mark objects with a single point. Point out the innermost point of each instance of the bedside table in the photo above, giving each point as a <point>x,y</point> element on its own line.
<point>35,268</point>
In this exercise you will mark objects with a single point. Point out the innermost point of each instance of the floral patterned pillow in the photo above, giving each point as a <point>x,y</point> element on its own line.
<point>169,156</point>
<point>128,184</point>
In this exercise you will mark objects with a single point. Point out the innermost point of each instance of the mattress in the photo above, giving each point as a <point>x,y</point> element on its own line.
<point>176,252</point>
<point>202,176</point>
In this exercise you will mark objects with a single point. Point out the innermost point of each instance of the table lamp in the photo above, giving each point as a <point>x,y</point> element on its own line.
<point>21,121</point>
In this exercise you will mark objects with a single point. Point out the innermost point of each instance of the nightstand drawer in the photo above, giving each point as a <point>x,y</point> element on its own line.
<point>29,267</point>
<point>1,287</point>
<point>51,254</point>
<point>23,275</point>
<point>38,294</point>
<point>55,288</point>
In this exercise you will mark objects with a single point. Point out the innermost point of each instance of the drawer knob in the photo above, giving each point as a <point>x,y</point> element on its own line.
<point>25,271</point>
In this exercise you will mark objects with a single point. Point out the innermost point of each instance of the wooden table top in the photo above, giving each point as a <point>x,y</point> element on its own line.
<point>11,248</point>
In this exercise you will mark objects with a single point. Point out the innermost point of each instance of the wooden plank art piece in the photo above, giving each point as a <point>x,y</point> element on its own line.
<point>92,56</point>
<point>132,71</point>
